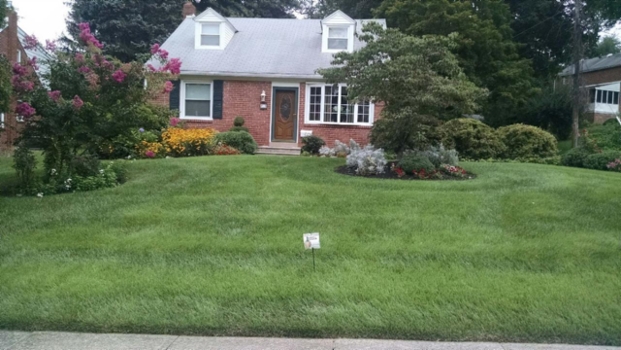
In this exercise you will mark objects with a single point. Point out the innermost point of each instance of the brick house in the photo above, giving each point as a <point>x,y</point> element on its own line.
<point>602,78</point>
<point>12,43</point>
<point>264,70</point>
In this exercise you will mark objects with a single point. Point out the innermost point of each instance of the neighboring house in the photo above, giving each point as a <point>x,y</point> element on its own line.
<point>12,42</point>
<point>602,77</point>
<point>264,70</point>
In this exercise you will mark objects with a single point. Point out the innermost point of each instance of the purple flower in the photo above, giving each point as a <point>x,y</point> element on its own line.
<point>54,95</point>
<point>141,130</point>
<point>33,63</point>
<point>84,70</point>
<point>155,49</point>
<point>50,45</point>
<point>30,42</point>
<point>174,122</point>
<point>25,110</point>
<point>21,85</point>
<point>20,70</point>
<point>168,87</point>
<point>149,154</point>
<point>119,76</point>
<point>77,102</point>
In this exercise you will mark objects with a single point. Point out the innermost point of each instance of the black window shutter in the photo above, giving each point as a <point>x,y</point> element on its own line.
<point>175,95</point>
<point>218,96</point>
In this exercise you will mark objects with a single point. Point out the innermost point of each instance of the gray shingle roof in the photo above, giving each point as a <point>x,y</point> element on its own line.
<point>593,64</point>
<point>262,47</point>
<point>38,52</point>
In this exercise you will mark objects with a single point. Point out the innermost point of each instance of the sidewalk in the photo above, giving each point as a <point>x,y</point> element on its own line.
<point>78,341</point>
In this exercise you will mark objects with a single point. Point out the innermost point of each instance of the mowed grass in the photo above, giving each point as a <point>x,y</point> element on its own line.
<point>213,246</point>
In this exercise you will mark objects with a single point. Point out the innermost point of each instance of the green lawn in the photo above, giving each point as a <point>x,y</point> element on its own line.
<point>213,246</point>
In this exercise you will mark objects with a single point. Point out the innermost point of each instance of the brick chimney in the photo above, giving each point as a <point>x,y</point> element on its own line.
<point>189,10</point>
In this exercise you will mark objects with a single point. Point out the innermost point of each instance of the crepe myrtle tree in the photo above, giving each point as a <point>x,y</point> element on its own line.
<point>86,99</point>
<point>417,78</point>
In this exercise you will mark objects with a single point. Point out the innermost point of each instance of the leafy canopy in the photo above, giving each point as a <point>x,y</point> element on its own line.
<point>417,78</point>
<point>608,45</point>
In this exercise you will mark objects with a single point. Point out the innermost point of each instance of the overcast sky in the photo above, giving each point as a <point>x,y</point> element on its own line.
<point>46,18</point>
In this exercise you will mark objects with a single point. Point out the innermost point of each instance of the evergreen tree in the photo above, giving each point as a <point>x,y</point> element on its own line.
<point>608,45</point>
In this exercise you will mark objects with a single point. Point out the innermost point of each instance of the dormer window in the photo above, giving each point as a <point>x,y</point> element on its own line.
<point>337,38</point>
<point>210,34</point>
<point>338,33</point>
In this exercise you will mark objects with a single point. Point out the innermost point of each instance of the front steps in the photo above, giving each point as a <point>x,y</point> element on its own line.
<point>280,148</point>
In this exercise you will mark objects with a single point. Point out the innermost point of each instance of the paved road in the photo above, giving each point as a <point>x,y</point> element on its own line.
<point>81,341</point>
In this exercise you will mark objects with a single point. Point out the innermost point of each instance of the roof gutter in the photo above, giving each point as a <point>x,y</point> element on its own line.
<point>254,75</point>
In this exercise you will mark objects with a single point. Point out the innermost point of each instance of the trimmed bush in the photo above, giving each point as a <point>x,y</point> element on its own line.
<point>471,138</point>
<point>527,141</point>
<point>416,162</point>
<point>367,161</point>
<point>441,156</point>
<point>600,161</point>
<point>240,140</point>
<point>85,165</point>
<point>575,157</point>
<point>239,121</point>
<point>607,136</point>
<point>312,144</point>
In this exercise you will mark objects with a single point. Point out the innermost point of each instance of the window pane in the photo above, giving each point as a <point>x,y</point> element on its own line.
<point>337,33</point>
<point>363,112</point>
<point>197,108</point>
<point>592,95</point>
<point>211,28</point>
<point>347,110</point>
<point>331,104</point>
<point>197,92</point>
<point>609,97</point>
<point>337,44</point>
<point>599,96</point>
<point>210,40</point>
<point>616,98</point>
<point>315,104</point>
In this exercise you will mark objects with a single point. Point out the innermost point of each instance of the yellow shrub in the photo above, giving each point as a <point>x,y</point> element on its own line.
<point>151,149</point>
<point>188,142</point>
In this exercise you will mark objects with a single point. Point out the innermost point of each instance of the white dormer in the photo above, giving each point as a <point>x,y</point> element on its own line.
<point>338,33</point>
<point>212,31</point>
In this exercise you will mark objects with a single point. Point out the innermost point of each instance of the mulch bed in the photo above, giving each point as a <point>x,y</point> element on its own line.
<point>391,175</point>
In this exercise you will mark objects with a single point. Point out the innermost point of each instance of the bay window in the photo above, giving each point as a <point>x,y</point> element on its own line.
<point>330,104</point>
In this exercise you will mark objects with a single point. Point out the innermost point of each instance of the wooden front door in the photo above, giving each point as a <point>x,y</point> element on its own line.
<point>285,114</point>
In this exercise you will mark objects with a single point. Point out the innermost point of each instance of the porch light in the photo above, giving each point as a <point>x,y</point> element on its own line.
<point>263,103</point>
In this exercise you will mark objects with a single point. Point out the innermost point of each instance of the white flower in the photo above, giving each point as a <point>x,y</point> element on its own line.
<point>129,157</point>
<point>40,194</point>
<point>101,171</point>
<point>53,172</point>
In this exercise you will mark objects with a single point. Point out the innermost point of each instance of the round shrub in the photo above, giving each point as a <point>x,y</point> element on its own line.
<point>527,141</point>
<point>239,121</point>
<point>575,157</point>
<point>471,138</point>
<point>312,144</point>
<point>600,161</point>
<point>85,165</point>
<point>415,162</point>
<point>240,140</point>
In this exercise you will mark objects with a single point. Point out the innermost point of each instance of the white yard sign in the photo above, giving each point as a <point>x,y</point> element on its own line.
<point>311,241</point>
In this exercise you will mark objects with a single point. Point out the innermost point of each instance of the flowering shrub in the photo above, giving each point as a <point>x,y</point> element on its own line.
<point>150,150</point>
<point>241,140</point>
<point>415,161</point>
<point>367,161</point>
<point>453,171</point>
<point>188,142</point>
<point>224,150</point>
<point>426,175</point>
<point>615,166</point>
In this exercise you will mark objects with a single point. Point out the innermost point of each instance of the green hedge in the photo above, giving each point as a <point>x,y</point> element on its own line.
<point>471,138</point>
<point>240,140</point>
<point>527,141</point>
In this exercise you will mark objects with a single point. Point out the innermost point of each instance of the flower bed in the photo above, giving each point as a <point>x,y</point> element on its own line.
<point>393,171</point>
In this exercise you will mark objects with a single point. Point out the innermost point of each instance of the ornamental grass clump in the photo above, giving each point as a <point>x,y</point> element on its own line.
<point>367,161</point>
<point>188,142</point>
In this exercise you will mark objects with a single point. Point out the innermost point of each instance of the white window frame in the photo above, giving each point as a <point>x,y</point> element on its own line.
<point>182,99</point>
<point>2,118</point>
<point>350,38</point>
<point>323,106</point>
<point>199,35</point>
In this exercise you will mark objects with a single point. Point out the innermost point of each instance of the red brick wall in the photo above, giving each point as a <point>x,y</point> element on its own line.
<point>9,44</point>
<point>242,98</point>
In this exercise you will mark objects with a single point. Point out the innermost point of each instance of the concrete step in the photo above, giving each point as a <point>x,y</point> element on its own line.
<point>282,151</point>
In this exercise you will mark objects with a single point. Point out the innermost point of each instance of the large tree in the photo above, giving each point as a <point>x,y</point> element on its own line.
<point>608,45</point>
<point>417,78</point>
<point>128,28</point>
<point>485,47</point>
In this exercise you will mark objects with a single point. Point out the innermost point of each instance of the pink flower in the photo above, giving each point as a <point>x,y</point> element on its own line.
<point>87,37</point>
<point>25,110</point>
<point>149,154</point>
<point>54,95</point>
<point>77,102</point>
<point>151,68</point>
<point>168,87</point>
<point>30,42</point>
<point>50,45</point>
<point>173,66</point>
<point>33,63</point>
<point>163,54</point>
<point>84,70</point>
<point>119,76</point>
<point>20,70</point>
<point>79,58</point>
<point>21,85</point>
<point>155,48</point>
<point>174,122</point>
